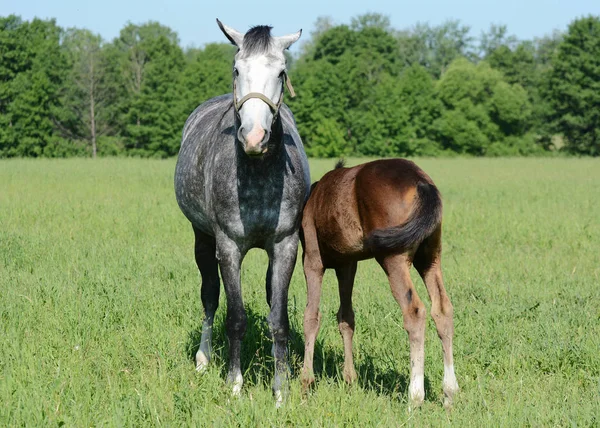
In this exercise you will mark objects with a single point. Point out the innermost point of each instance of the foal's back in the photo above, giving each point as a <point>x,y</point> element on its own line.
<point>349,207</point>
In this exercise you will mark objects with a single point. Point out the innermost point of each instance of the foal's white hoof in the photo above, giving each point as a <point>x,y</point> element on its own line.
<point>449,392</point>
<point>450,386</point>
<point>201,362</point>
<point>416,399</point>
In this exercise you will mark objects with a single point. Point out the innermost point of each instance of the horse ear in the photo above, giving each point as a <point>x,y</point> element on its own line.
<point>285,42</point>
<point>234,36</point>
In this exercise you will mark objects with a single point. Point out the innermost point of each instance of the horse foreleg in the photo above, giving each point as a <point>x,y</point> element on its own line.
<point>313,273</point>
<point>204,250</point>
<point>230,260</point>
<point>345,316</point>
<point>282,257</point>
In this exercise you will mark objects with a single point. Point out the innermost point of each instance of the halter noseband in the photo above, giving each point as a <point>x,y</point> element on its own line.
<point>274,107</point>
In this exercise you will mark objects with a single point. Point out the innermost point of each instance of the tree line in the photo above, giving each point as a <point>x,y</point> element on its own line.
<point>363,88</point>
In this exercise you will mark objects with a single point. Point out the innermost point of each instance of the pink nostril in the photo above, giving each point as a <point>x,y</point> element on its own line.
<point>255,137</point>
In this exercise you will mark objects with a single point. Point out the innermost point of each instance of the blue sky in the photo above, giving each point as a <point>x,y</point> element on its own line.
<point>194,21</point>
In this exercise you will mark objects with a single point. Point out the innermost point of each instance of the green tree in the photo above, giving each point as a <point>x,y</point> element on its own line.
<point>207,74</point>
<point>436,47</point>
<point>320,97</point>
<point>336,81</point>
<point>151,65</point>
<point>482,112</point>
<point>32,68</point>
<point>397,117</point>
<point>574,87</point>
<point>495,38</point>
<point>87,91</point>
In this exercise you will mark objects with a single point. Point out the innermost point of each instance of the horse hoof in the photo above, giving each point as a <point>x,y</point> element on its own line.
<point>236,385</point>
<point>278,399</point>
<point>308,381</point>
<point>416,398</point>
<point>414,404</point>
<point>201,362</point>
<point>350,376</point>
<point>449,392</point>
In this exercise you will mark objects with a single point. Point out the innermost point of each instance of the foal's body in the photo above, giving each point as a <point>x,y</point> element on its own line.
<point>389,210</point>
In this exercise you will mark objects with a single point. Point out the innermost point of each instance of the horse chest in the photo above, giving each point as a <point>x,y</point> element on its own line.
<point>256,210</point>
<point>259,208</point>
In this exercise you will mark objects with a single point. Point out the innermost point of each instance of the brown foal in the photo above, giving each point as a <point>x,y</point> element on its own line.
<point>389,210</point>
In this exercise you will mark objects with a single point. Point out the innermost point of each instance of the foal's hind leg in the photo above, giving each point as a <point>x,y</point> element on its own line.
<point>204,250</point>
<point>345,275</point>
<point>428,263</point>
<point>413,310</point>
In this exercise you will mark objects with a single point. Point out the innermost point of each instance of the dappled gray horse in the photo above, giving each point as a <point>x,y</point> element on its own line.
<point>242,180</point>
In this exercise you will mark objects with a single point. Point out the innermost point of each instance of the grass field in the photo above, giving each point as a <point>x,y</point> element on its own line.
<point>100,305</point>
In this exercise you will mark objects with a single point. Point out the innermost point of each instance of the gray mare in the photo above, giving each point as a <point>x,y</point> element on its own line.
<point>241,193</point>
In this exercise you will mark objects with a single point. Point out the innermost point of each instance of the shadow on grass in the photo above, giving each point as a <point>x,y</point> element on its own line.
<point>257,362</point>
<point>256,359</point>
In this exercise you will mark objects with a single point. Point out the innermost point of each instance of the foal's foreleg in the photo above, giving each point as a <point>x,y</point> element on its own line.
<point>442,313</point>
<point>345,316</point>
<point>204,250</point>
<point>230,260</point>
<point>313,273</point>
<point>413,312</point>
<point>282,257</point>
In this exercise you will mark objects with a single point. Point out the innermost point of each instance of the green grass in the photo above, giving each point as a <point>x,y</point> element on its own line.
<point>100,305</point>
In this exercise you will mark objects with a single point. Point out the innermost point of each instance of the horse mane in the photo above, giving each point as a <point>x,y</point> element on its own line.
<point>257,40</point>
<point>340,163</point>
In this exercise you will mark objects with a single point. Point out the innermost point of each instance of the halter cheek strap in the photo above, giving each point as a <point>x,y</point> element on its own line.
<point>274,107</point>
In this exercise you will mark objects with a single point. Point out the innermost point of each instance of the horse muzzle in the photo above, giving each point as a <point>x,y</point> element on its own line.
<point>255,142</point>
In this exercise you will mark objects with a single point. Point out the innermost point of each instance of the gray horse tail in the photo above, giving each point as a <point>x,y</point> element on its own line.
<point>424,219</point>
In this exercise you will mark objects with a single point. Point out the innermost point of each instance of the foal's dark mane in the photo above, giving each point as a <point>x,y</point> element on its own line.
<point>257,40</point>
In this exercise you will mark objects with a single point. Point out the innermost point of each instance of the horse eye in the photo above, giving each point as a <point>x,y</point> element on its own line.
<point>235,72</point>
<point>282,74</point>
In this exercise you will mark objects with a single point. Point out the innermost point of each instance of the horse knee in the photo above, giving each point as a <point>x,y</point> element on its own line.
<point>236,326</point>
<point>210,305</point>
<point>447,308</point>
<point>312,319</point>
<point>279,333</point>
<point>414,318</point>
<point>280,327</point>
<point>345,321</point>
<point>443,311</point>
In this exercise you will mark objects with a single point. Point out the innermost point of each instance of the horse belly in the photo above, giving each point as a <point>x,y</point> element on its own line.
<point>341,235</point>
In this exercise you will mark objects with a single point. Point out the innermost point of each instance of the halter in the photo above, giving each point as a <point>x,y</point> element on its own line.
<point>274,107</point>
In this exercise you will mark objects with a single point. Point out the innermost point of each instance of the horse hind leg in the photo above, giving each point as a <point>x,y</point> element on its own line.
<point>204,250</point>
<point>345,316</point>
<point>428,263</point>
<point>413,311</point>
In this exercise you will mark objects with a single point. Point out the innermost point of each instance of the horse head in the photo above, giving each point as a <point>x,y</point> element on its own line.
<point>259,77</point>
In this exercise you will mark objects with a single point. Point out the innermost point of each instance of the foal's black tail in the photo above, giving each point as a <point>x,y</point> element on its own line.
<point>425,218</point>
